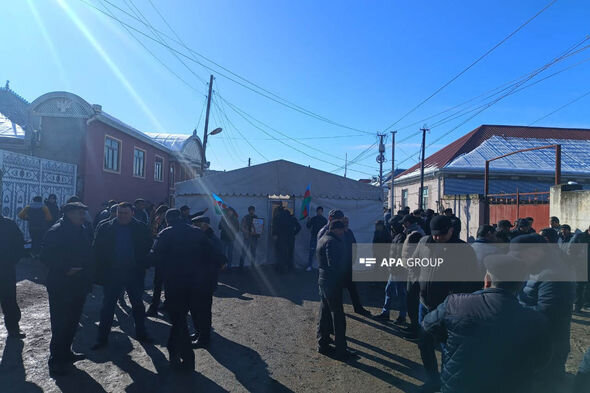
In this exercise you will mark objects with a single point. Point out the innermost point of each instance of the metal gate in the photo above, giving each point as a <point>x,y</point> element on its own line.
<point>520,205</point>
<point>24,177</point>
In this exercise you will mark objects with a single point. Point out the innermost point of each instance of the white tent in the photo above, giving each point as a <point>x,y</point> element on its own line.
<point>266,185</point>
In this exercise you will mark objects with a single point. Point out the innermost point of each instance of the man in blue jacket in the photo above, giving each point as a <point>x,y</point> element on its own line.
<point>492,343</point>
<point>121,246</point>
<point>548,293</point>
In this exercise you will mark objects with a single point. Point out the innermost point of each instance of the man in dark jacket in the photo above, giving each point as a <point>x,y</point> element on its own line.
<point>492,343</point>
<point>548,294</point>
<point>582,287</point>
<point>38,217</point>
<point>284,229</point>
<point>433,290</point>
<point>121,247</point>
<point>349,241</point>
<point>503,233</point>
<point>67,252</point>
<point>230,228</point>
<point>182,252</point>
<point>250,237</point>
<point>455,222</point>
<point>332,276</point>
<point>201,312</point>
<point>314,224</point>
<point>12,249</point>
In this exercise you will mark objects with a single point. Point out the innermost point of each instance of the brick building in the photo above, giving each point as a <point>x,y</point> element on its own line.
<point>113,159</point>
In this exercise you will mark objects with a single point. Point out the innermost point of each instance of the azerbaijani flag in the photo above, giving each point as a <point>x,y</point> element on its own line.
<point>306,203</point>
<point>219,204</point>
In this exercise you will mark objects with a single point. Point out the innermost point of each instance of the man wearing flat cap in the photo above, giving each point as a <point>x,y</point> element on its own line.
<point>181,251</point>
<point>67,252</point>
<point>492,343</point>
<point>201,310</point>
<point>332,277</point>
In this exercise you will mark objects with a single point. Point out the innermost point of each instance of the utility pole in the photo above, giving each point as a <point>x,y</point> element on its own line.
<point>421,194</point>
<point>345,164</point>
<point>249,161</point>
<point>381,158</point>
<point>391,196</point>
<point>204,159</point>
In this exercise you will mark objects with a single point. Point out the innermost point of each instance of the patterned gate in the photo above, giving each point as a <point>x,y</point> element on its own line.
<point>24,177</point>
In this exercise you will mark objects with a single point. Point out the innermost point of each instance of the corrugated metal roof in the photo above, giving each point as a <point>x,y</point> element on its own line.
<point>174,142</point>
<point>9,129</point>
<point>476,137</point>
<point>575,156</point>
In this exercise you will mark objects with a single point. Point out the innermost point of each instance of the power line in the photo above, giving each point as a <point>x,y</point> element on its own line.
<point>244,116</point>
<point>561,107</point>
<point>471,65</point>
<point>256,88</point>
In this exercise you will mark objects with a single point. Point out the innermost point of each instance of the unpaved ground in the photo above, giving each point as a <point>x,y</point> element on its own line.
<point>264,341</point>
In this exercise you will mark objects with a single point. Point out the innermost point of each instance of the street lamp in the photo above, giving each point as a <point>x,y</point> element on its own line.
<point>214,132</point>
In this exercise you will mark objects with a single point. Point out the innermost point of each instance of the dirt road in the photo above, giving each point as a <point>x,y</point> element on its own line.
<point>263,341</point>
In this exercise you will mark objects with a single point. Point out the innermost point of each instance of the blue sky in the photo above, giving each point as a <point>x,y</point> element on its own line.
<point>361,64</point>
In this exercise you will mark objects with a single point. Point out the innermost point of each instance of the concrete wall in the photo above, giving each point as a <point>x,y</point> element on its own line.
<point>571,207</point>
<point>469,209</point>
<point>413,189</point>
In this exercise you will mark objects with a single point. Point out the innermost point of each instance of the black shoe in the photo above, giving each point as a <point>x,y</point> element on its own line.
<point>76,357</point>
<point>363,312</point>
<point>400,321</point>
<point>144,339</point>
<point>99,345</point>
<point>326,350</point>
<point>201,344</point>
<point>152,311</point>
<point>16,334</point>
<point>382,317</point>
<point>347,354</point>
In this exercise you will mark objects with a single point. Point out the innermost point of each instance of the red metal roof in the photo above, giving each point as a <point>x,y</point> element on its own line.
<point>474,138</point>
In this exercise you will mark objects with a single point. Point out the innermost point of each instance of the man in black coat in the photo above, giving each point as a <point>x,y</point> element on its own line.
<point>121,246</point>
<point>12,249</point>
<point>210,272</point>
<point>433,290</point>
<point>183,253</point>
<point>492,343</point>
<point>314,224</point>
<point>332,276</point>
<point>284,229</point>
<point>67,252</point>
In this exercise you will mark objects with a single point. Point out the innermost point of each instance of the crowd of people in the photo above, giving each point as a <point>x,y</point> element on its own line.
<point>495,334</point>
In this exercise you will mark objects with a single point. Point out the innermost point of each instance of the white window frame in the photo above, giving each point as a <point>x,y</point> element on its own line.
<point>404,200</point>
<point>135,148</point>
<point>424,197</point>
<point>159,159</point>
<point>104,157</point>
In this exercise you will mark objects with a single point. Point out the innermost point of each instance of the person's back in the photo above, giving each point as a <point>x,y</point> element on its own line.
<point>493,344</point>
<point>185,249</point>
<point>331,259</point>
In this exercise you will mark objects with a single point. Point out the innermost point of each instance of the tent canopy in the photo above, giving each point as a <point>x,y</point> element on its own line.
<point>279,178</point>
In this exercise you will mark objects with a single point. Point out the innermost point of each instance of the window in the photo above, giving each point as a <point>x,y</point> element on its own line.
<point>404,198</point>
<point>424,198</point>
<point>159,169</point>
<point>171,178</point>
<point>112,154</point>
<point>138,162</point>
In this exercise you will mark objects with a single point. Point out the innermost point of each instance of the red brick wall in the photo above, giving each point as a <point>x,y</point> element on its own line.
<point>101,185</point>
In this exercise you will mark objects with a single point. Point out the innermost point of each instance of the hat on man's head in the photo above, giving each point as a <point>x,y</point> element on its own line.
<point>74,206</point>
<point>200,219</point>
<point>336,214</point>
<point>439,225</point>
<point>408,218</point>
<point>505,223</point>
<point>172,215</point>
<point>337,225</point>
<point>184,208</point>
<point>139,200</point>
